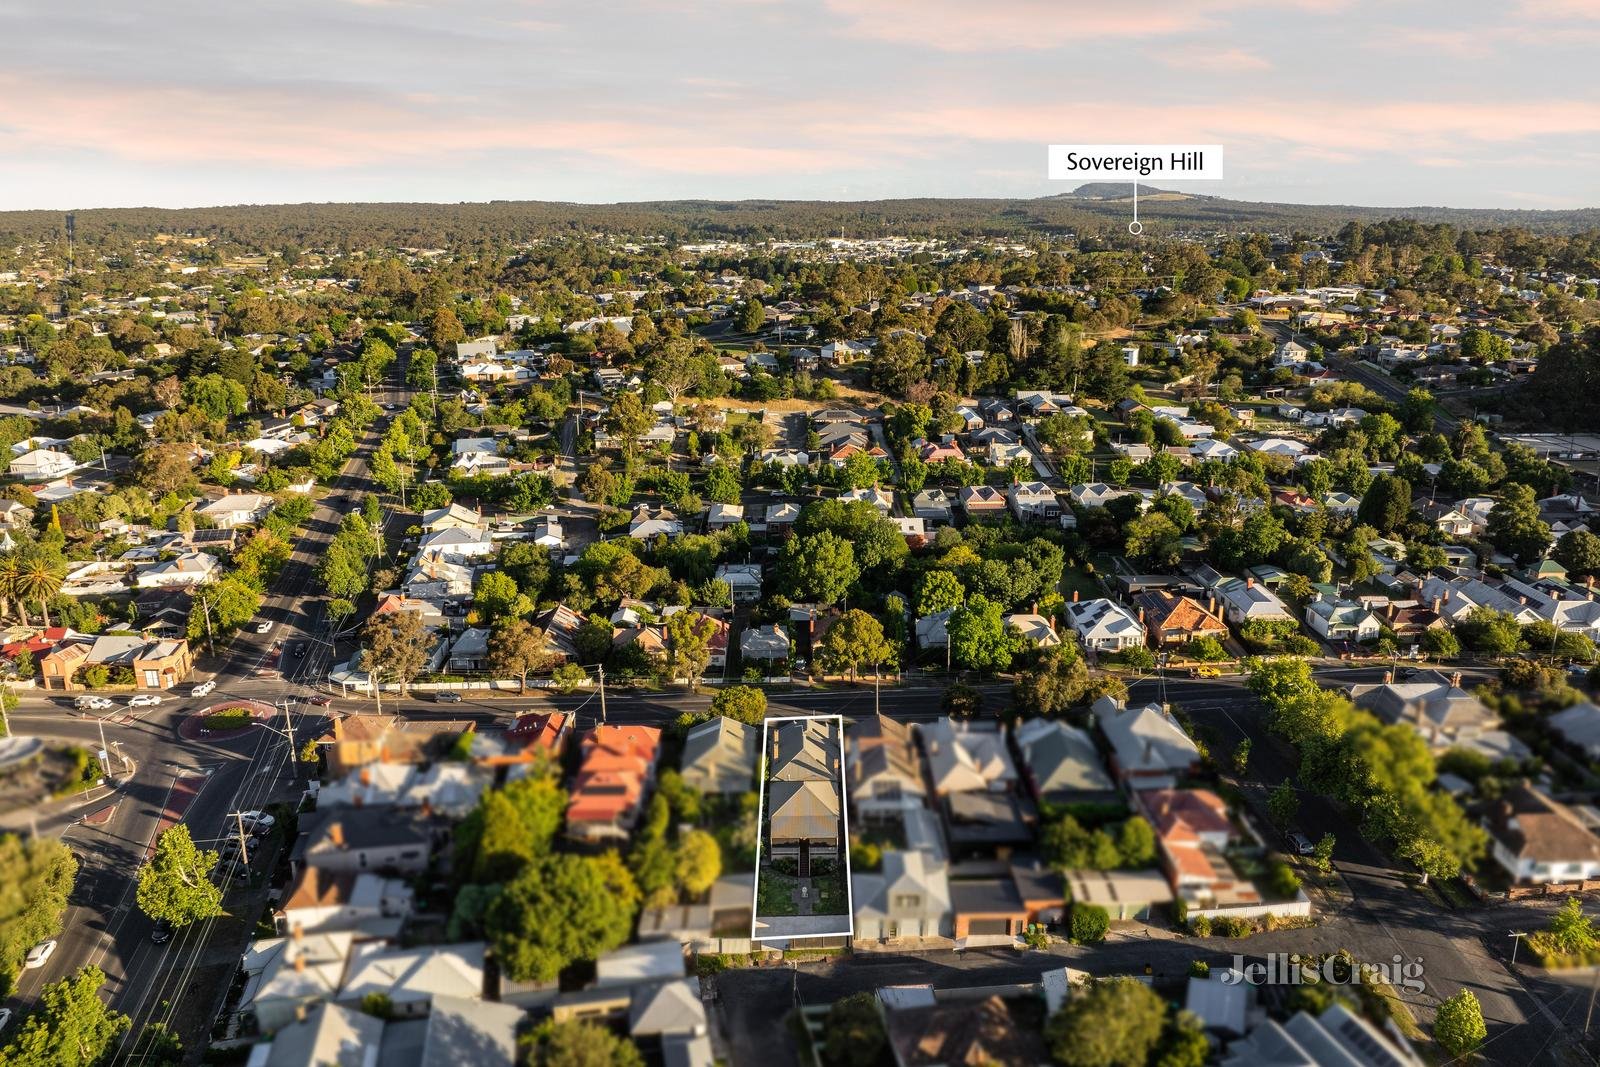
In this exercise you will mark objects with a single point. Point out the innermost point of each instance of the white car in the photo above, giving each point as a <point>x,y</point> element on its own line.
<point>92,703</point>
<point>203,689</point>
<point>144,700</point>
<point>264,626</point>
<point>5,1019</point>
<point>39,954</point>
<point>257,822</point>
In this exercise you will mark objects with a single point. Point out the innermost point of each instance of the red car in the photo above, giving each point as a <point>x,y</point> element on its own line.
<point>319,702</point>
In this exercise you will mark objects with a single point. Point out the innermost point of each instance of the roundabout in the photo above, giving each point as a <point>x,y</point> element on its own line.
<point>225,721</point>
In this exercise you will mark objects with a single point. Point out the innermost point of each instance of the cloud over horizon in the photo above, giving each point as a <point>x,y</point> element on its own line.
<point>182,102</point>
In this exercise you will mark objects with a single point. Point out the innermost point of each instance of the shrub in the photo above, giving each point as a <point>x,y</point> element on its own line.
<point>1281,879</point>
<point>1199,969</point>
<point>1089,923</point>
<point>1200,926</point>
<point>1228,926</point>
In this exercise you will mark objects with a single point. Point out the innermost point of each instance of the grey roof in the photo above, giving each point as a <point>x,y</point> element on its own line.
<point>358,828</point>
<point>330,1036</point>
<point>719,756</point>
<point>667,1008</point>
<point>471,1033</point>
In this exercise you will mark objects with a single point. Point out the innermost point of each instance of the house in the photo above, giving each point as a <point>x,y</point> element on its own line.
<point>1171,619</point>
<point>409,978</point>
<point>646,523</point>
<point>1060,763</point>
<point>932,505</point>
<point>1537,839</point>
<point>161,664</point>
<point>328,1036</point>
<point>1193,831</point>
<point>432,577</point>
<point>1342,620</point>
<point>368,904</point>
<point>1443,713</point>
<point>236,509</point>
<point>882,499</point>
<point>187,570</point>
<point>955,1033</point>
<point>1096,494</point>
<point>1247,600</point>
<point>767,643</point>
<point>1290,353</point>
<point>840,353</point>
<point>934,451</point>
<point>1033,502</point>
<point>453,517</point>
<point>981,501</point>
<point>466,1032</point>
<point>744,580</point>
<point>1126,895</point>
<point>1034,628</point>
<point>1213,448</point>
<point>362,839</point>
<point>42,465</point>
<point>616,769</point>
<point>907,897</point>
<point>1001,904</point>
<point>1338,1036</point>
<point>1149,750</point>
<point>881,767</point>
<point>1104,625</point>
<point>719,756</point>
<point>14,514</point>
<point>456,545</point>
<point>932,630</point>
<point>561,625</point>
<point>721,516</point>
<point>966,757</point>
<point>549,533</point>
<point>1579,726</point>
<point>803,790</point>
<point>285,977</point>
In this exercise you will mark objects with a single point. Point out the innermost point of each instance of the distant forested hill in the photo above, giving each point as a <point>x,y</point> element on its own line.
<point>366,226</point>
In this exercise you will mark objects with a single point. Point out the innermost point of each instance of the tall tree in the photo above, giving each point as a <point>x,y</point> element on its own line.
<point>1514,525</point>
<point>978,637</point>
<point>71,1027</point>
<point>854,640</point>
<point>742,703</point>
<point>689,635</point>
<point>175,886</point>
<point>519,648</point>
<point>1115,1022</point>
<point>397,647</point>
<point>819,568</point>
<point>561,909</point>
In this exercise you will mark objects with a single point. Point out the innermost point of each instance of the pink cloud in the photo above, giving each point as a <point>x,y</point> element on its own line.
<point>1215,61</point>
<point>962,26</point>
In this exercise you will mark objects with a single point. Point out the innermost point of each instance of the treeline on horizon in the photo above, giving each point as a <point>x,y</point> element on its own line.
<point>357,227</point>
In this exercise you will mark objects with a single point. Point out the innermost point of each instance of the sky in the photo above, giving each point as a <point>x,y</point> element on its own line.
<point>178,103</point>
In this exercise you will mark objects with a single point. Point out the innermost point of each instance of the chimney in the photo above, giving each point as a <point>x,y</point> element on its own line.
<point>1588,583</point>
<point>1388,677</point>
<point>1141,616</point>
<point>298,933</point>
<point>1074,596</point>
<point>300,964</point>
<point>1394,609</point>
<point>1455,680</point>
<point>336,832</point>
<point>1438,605</point>
<point>1250,583</point>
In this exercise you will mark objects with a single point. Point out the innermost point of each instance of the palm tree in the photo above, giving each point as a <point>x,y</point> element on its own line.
<point>9,571</point>
<point>40,579</point>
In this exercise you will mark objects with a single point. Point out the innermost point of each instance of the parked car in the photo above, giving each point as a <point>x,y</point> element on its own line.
<point>1299,843</point>
<point>301,648</point>
<point>40,954</point>
<point>264,626</point>
<point>319,701</point>
<point>257,821</point>
<point>92,703</point>
<point>5,1019</point>
<point>144,700</point>
<point>203,689</point>
<point>161,933</point>
<point>447,698</point>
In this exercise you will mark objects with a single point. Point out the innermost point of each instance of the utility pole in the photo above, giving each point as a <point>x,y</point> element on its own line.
<point>288,729</point>
<point>244,840</point>
<point>105,750</point>
<point>602,673</point>
<point>1516,939</point>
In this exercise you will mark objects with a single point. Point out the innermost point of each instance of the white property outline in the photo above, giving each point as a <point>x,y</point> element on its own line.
<point>844,845</point>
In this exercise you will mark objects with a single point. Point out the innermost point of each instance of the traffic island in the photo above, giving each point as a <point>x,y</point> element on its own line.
<point>226,721</point>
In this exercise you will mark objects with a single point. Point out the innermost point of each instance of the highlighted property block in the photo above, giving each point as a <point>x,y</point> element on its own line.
<point>802,887</point>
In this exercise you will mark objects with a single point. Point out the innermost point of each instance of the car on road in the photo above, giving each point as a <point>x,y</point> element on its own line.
<point>319,701</point>
<point>1206,670</point>
<point>161,932</point>
<point>264,626</point>
<point>447,698</point>
<point>40,954</point>
<point>1299,843</point>
<point>301,648</point>
<point>257,821</point>
<point>92,704</point>
<point>144,700</point>
<point>204,689</point>
<point>5,1019</point>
